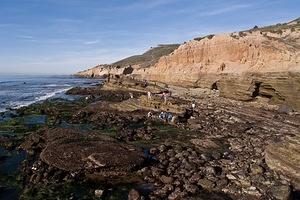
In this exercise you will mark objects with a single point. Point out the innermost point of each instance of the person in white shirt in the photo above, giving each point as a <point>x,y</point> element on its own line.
<point>149,95</point>
<point>193,105</point>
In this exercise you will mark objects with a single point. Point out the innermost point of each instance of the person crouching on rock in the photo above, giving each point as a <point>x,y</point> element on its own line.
<point>162,116</point>
<point>169,116</point>
<point>150,115</point>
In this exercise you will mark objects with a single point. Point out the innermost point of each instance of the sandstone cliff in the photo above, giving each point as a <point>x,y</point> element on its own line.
<point>261,62</point>
<point>127,65</point>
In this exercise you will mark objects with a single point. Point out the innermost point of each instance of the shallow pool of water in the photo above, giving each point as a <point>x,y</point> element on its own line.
<point>9,166</point>
<point>11,162</point>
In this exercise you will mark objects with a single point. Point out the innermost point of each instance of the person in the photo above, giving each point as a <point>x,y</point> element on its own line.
<point>149,95</point>
<point>131,95</point>
<point>108,78</point>
<point>193,105</point>
<point>164,96</point>
<point>149,115</point>
<point>173,120</point>
<point>145,83</point>
<point>162,115</point>
<point>169,117</point>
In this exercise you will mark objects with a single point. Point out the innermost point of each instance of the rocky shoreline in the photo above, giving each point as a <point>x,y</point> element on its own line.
<point>104,146</point>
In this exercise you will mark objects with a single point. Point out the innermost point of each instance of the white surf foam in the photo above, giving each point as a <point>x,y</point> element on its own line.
<point>41,98</point>
<point>57,85</point>
<point>51,94</point>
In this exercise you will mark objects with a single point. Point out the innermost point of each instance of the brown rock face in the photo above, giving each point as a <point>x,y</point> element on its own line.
<point>224,54</point>
<point>71,150</point>
<point>285,158</point>
<point>279,88</point>
<point>238,64</point>
<point>240,67</point>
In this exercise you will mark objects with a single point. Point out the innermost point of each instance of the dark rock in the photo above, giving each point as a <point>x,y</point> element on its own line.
<point>191,188</point>
<point>95,150</point>
<point>206,184</point>
<point>99,193</point>
<point>256,169</point>
<point>281,192</point>
<point>156,172</point>
<point>162,148</point>
<point>166,179</point>
<point>134,195</point>
<point>153,151</point>
<point>210,170</point>
<point>284,158</point>
<point>177,194</point>
<point>195,178</point>
<point>285,109</point>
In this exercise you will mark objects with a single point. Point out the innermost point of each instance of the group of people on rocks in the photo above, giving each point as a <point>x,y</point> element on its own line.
<point>164,95</point>
<point>168,116</point>
<point>165,116</point>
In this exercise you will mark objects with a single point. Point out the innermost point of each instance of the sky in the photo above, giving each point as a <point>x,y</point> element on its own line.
<point>66,36</point>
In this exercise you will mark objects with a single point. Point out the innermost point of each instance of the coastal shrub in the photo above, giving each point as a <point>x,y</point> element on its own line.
<point>198,38</point>
<point>234,36</point>
<point>276,31</point>
<point>242,34</point>
<point>210,36</point>
<point>128,70</point>
<point>201,38</point>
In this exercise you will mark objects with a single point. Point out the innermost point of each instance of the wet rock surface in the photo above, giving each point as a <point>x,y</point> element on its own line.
<point>284,157</point>
<point>100,94</point>
<point>72,151</point>
<point>69,150</point>
<point>225,151</point>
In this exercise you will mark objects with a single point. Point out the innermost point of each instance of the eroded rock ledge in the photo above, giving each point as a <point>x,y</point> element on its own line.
<point>73,150</point>
<point>284,158</point>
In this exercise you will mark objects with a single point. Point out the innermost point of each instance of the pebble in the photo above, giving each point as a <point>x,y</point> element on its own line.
<point>206,184</point>
<point>281,192</point>
<point>99,193</point>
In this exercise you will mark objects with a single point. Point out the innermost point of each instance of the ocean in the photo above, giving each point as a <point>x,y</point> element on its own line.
<point>18,91</point>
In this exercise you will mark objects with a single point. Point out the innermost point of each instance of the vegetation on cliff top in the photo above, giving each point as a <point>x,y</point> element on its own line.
<point>150,57</point>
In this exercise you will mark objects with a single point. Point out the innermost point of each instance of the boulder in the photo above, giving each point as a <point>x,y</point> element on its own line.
<point>281,192</point>
<point>284,158</point>
<point>134,195</point>
<point>281,88</point>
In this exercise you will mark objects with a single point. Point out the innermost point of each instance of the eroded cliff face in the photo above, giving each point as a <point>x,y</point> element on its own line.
<point>243,65</point>
<point>104,70</point>
<point>225,54</point>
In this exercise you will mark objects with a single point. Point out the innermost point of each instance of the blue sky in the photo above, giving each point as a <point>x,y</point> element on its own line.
<point>65,36</point>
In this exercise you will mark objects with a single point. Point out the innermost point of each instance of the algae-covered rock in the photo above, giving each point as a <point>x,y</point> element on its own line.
<point>72,150</point>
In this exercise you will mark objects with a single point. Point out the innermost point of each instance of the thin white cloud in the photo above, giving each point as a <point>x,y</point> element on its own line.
<point>91,42</point>
<point>223,10</point>
<point>5,25</point>
<point>140,5</point>
<point>65,20</point>
<point>149,4</point>
<point>25,37</point>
